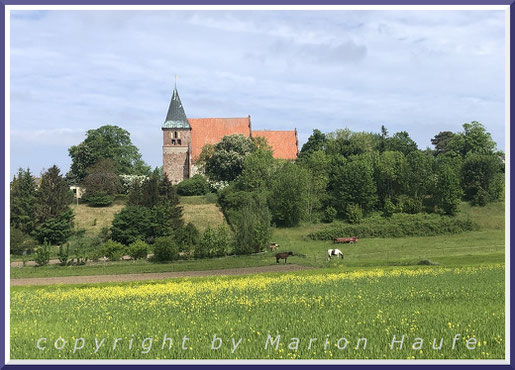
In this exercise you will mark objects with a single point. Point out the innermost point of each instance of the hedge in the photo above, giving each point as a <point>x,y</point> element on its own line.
<point>397,226</point>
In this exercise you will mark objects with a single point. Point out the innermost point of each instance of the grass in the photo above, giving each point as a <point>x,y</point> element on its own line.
<point>428,302</point>
<point>93,219</point>
<point>203,215</point>
<point>196,209</point>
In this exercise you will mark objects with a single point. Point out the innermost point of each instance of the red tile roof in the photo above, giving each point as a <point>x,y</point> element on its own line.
<point>284,143</point>
<point>212,130</point>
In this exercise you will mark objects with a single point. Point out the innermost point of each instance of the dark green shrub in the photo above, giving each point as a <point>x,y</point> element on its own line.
<point>481,198</point>
<point>42,256</point>
<point>409,204</point>
<point>497,187</point>
<point>479,178</point>
<point>131,223</point>
<point>197,185</point>
<point>187,238</point>
<point>113,250</point>
<point>137,250</point>
<point>99,199</point>
<point>389,208</point>
<point>29,246</point>
<point>353,213</point>
<point>329,214</point>
<point>213,243</point>
<point>56,230</point>
<point>63,254</point>
<point>287,201</point>
<point>121,198</point>
<point>398,225</point>
<point>166,249</point>
<point>83,248</point>
<point>223,241</point>
<point>18,241</point>
<point>211,197</point>
<point>253,229</point>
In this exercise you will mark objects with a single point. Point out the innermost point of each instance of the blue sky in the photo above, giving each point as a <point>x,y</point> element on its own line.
<point>416,71</point>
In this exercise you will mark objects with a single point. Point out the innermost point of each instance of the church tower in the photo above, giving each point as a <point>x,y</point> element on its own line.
<point>176,142</point>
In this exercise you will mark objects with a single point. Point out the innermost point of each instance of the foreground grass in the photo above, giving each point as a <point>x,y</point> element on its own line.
<point>431,303</point>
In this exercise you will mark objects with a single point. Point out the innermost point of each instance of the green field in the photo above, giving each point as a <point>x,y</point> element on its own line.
<point>430,303</point>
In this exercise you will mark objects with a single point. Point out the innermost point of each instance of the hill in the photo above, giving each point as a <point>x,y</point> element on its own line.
<point>198,210</point>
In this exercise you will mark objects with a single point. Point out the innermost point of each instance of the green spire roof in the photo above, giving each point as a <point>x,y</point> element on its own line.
<point>176,118</point>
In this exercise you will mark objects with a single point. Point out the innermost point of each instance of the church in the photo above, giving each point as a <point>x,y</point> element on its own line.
<point>184,138</point>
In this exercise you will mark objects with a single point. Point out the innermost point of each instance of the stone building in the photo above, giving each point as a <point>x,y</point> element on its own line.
<point>184,138</point>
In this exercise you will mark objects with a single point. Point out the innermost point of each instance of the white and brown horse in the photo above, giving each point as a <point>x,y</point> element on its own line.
<point>334,252</point>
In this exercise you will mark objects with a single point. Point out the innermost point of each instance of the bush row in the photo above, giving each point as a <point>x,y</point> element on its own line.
<point>398,225</point>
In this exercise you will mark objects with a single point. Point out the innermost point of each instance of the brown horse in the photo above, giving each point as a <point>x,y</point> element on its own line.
<point>283,255</point>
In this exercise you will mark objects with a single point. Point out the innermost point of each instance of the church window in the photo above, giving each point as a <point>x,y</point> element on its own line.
<point>179,141</point>
<point>175,134</point>
<point>173,142</point>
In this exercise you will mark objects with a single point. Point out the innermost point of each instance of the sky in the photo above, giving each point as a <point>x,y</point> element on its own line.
<point>417,71</point>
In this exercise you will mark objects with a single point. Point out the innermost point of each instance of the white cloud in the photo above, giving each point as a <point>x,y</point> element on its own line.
<point>417,71</point>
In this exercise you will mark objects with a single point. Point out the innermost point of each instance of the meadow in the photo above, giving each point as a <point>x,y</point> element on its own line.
<point>380,290</point>
<point>460,309</point>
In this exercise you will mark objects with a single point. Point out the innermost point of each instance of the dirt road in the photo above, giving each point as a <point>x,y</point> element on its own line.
<point>153,276</point>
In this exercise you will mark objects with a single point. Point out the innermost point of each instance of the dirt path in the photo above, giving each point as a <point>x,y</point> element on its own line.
<point>153,275</point>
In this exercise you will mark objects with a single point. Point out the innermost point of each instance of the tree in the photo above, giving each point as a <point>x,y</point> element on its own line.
<point>130,224</point>
<point>258,168</point>
<point>419,174</point>
<point>318,166</point>
<point>213,243</point>
<point>441,142</point>
<point>53,196</point>
<point>347,143</point>
<point>252,228</point>
<point>447,190</point>
<point>55,230</point>
<point>197,185</point>
<point>227,158</point>
<point>152,211</point>
<point>288,194</point>
<point>353,183</point>
<point>21,242</point>
<point>383,138</point>
<point>480,177</point>
<point>317,141</point>
<point>23,201</point>
<point>401,142</point>
<point>166,249</point>
<point>391,175</point>
<point>474,139</point>
<point>54,215</point>
<point>101,183</point>
<point>110,142</point>
<point>155,191</point>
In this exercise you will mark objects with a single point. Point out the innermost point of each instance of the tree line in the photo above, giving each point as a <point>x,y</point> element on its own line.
<point>351,175</point>
<point>338,175</point>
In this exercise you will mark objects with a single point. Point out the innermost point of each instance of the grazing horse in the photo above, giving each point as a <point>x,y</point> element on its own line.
<point>273,246</point>
<point>284,255</point>
<point>334,252</point>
